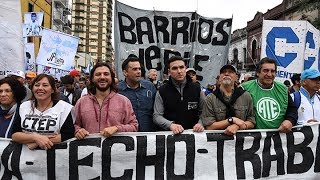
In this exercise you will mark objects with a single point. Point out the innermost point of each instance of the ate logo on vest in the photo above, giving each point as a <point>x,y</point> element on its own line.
<point>268,109</point>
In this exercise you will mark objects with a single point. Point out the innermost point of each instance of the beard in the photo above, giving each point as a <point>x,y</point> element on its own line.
<point>103,89</point>
<point>226,82</point>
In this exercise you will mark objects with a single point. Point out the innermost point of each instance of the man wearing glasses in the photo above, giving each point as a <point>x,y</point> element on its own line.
<point>272,104</point>
<point>308,100</point>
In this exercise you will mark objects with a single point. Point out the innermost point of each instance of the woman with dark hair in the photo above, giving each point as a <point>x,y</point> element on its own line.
<point>12,92</point>
<point>44,120</point>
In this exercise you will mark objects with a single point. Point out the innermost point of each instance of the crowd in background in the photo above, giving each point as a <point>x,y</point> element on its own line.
<point>40,110</point>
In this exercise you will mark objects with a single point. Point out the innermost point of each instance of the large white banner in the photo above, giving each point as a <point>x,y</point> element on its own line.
<point>294,44</point>
<point>57,50</point>
<point>250,154</point>
<point>32,24</point>
<point>155,36</point>
<point>11,46</point>
<point>30,62</point>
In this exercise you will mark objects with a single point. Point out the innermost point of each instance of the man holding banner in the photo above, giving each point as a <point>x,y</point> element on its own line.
<point>140,92</point>
<point>228,107</point>
<point>103,110</point>
<point>273,105</point>
<point>306,99</point>
<point>178,103</point>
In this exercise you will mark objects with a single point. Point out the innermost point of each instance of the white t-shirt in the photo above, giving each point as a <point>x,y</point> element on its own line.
<point>48,122</point>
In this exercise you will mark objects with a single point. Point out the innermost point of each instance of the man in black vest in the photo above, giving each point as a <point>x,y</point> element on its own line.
<point>228,107</point>
<point>178,103</point>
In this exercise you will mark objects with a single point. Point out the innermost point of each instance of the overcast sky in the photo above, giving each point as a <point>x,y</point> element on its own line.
<point>242,10</point>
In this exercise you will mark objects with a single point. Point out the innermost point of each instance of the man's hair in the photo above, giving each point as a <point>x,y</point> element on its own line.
<point>33,14</point>
<point>129,59</point>
<point>294,78</point>
<point>67,79</point>
<point>266,60</point>
<point>287,83</point>
<point>175,58</point>
<point>18,90</point>
<point>152,70</point>
<point>92,88</point>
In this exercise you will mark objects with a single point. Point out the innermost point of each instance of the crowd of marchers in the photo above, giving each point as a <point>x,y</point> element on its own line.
<point>40,110</point>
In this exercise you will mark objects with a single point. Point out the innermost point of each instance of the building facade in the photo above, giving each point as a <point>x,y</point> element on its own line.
<point>288,11</point>
<point>238,48</point>
<point>61,15</point>
<point>92,23</point>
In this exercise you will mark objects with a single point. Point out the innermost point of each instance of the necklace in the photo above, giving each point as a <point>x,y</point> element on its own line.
<point>41,111</point>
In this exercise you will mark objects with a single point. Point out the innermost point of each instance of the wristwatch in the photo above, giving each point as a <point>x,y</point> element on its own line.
<point>230,120</point>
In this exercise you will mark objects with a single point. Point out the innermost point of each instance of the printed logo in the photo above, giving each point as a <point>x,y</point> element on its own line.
<point>268,109</point>
<point>192,105</point>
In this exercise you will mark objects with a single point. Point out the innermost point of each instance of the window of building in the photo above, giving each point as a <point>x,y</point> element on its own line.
<point>254,49</point>
<point>245,54</point>
<point>30,7</point>
<point>235,55</point>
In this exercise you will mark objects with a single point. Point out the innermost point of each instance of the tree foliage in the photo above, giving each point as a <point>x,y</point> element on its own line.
<point>310,5</point>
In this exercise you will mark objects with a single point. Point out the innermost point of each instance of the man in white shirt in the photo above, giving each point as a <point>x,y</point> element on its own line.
<point>306,99</point>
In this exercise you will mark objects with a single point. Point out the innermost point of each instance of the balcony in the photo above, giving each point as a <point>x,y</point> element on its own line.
<point>58,17</point>
<point>67,26</point>
<point>67,11</point>
<point>60,3</point>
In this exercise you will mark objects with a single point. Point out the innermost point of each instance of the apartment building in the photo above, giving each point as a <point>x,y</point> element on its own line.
<point>61,15</point>
<point>92,23</point>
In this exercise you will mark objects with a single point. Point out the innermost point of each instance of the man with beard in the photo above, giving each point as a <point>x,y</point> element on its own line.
<point>103,109</point>
<point>272,103</point>
<point>140,92</point>
<point>228,107</point>
<point>178,103</point>
<point>69,92</point>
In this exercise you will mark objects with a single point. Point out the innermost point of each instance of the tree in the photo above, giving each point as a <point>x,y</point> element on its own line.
<point>310,5</point>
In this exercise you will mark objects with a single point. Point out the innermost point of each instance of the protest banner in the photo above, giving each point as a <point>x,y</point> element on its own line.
<point>57,50</point>
<point>11,46</point>
<point>32,24</point>
<point>57,73</point>
<point>30,62</point>
<point>250,154</point>
<point>294,44</point>
<point>155,36</point>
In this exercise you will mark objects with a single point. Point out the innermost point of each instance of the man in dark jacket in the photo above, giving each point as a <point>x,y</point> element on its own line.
<point>178,103</point>
<point>69,92</point>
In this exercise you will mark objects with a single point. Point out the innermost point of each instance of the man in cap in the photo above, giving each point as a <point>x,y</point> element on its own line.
<point>192,73</point>
<point>29,77</point>
<point>306,99</point>
<point>76,76</point>
<point>20,76</point>
<point>272,103</point>
<point>228,107</point>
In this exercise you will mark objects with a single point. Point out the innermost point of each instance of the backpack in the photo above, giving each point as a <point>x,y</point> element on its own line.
<point>297,98</point>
